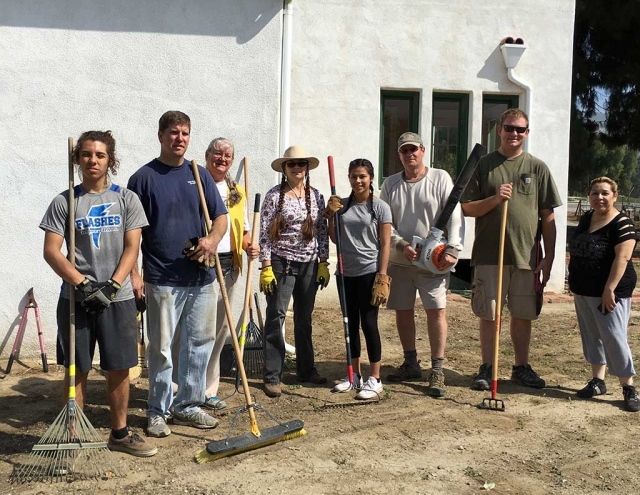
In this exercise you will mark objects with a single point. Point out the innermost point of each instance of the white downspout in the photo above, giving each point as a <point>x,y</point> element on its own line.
<point>285,76</point>
<point>285,104</point>
<point>511,54</point>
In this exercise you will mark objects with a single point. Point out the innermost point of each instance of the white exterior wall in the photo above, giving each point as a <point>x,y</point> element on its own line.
<point>346,52</point>
<point>74,65</point>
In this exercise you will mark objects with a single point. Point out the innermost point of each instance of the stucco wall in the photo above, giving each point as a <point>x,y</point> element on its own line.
<point>346,52</point>
<point>69,66</point>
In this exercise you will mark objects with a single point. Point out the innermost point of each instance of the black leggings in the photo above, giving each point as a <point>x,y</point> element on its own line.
<point>358,295</point>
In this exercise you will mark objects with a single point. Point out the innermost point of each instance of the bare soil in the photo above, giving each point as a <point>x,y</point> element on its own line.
<point>546,441</point>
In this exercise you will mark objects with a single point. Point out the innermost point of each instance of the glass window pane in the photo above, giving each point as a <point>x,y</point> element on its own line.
<point>446,120</point>
<point>492,109</point>
<point>396,120</point>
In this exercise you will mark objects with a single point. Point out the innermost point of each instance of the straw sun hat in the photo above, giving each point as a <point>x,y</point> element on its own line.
<point>294,152</point>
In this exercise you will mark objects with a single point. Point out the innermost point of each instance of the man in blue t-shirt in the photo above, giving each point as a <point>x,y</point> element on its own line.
<point>178,288</point>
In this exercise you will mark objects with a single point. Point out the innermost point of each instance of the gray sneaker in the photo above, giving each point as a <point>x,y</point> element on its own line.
<point>197,419</point>
<point>157,427</point>
<point>132,444</point>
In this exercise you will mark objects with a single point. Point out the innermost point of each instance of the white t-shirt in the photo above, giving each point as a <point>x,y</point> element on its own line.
<point>225,243</point>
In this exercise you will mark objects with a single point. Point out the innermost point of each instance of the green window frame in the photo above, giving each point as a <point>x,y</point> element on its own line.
<point>399,113</point>
<point>449,142</point>
<point>490,117</point>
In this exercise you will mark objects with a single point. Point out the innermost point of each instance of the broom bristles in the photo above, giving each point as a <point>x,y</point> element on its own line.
<point>70,452</point>
<point>203,456</point>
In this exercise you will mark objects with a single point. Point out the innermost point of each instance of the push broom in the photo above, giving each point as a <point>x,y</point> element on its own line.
<point>494,403</point>
<point>257,438</point>
<point>340,278</point>
<point>250,335</point>
<point>71,447</point>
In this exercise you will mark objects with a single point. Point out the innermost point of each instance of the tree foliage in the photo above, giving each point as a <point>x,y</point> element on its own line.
<point>606,80</point>
<point>606,60</point>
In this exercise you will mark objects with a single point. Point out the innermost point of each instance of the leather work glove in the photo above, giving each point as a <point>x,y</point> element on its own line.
<point>267,280</point>
<point>333,205</point>
<point>380,290</point>
<point>323,276</point>
<point>101,299</point>
<point>190,246</point>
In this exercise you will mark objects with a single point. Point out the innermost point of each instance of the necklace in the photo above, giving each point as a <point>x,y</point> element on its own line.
<point>298,196</point>
<point>415,179</point>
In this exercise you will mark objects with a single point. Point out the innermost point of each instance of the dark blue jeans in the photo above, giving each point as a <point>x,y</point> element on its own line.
<point>298,280</point>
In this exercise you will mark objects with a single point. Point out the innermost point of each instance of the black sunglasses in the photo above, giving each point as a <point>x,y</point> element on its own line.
<point>297,163</point>
<point>511,128</point>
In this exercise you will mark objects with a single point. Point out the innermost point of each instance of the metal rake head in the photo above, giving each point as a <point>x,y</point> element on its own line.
<point>493,404</point>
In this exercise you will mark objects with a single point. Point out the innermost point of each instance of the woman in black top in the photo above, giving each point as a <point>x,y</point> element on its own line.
<point>602,279</point>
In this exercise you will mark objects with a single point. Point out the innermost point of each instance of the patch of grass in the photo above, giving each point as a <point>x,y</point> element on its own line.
<point>472,472</point>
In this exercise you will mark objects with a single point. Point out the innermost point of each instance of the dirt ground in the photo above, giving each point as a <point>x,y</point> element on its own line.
<point>546,441</point>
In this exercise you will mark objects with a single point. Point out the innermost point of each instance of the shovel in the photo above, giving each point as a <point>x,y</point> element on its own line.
<point>493,403</point>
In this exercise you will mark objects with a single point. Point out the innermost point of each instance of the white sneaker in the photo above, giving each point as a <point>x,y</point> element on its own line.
<point>371,390</point>
<point>345,385</point>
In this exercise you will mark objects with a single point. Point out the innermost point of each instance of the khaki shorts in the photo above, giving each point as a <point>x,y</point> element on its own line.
<point>405,281</point>
<point>518,290</point>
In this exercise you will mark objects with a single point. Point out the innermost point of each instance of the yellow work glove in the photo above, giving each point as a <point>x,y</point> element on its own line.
<point>334,204</point>
<point>380,290</point>
<point>323,276</point>
<point>267,280</point>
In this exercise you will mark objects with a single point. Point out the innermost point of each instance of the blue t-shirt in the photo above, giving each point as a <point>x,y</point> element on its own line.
<point>169,196</point>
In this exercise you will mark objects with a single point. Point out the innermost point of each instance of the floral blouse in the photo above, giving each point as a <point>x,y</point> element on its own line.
<point>291,246</point>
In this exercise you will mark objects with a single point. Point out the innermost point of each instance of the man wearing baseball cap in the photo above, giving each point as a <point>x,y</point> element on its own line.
<point>417,196</point>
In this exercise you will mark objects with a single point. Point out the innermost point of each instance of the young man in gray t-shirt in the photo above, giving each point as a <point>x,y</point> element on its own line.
<point>108,222</point>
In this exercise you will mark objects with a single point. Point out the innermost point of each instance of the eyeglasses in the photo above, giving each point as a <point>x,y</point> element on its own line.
<point>511,128</point>
<point>220,154</point>
<point>297,163</point>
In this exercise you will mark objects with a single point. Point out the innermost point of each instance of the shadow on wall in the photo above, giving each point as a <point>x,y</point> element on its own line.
<point>243,19</point>
<point>493,68</point>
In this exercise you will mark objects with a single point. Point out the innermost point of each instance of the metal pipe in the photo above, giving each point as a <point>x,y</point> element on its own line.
<point>527,108</point>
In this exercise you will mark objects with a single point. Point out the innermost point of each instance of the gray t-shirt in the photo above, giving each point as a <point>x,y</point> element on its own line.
<point>101,221</point>
<point>359,236</point>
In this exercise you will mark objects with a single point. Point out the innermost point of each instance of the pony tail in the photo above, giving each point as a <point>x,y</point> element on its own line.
<point>234,194</point>
<point>349,201</point>
<point>370,201</point>
<point>278,222</point>
<point>308,229</point>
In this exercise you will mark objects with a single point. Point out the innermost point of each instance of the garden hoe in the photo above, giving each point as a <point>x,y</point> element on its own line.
<point>494,403</point>
<point>257,438</point>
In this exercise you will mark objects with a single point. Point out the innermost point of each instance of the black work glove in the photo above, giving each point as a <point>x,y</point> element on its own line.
<point>85,289</point>
<point>101,299</point>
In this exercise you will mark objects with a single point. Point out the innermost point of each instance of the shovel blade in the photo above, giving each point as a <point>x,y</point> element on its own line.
<point>493,404</point>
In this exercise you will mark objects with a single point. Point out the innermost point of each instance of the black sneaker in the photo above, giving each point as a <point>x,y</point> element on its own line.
<point>313,377</point>
<point>525,376</point>
<point>594,387</point>
<point>631,400</point>
<point>406,372</point>
<point>483,379</point>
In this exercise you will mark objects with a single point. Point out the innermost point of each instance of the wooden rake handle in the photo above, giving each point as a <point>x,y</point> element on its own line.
<point>498,313</point>
<point>227,307</point>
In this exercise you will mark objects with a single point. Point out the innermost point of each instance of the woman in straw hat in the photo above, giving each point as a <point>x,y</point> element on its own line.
<point>294,247</point>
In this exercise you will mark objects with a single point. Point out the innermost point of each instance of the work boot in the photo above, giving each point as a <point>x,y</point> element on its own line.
<point>272,390</point>
<point>313,377</point>
<point>406,372</point>
<point>197,419</point>
<point>436,384</point>
<point>524,375</point>
<point>132,444</point>
<point>631,401</point>
<point>594,387</point>
<point>157,427</point>
<point>483,379</point>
